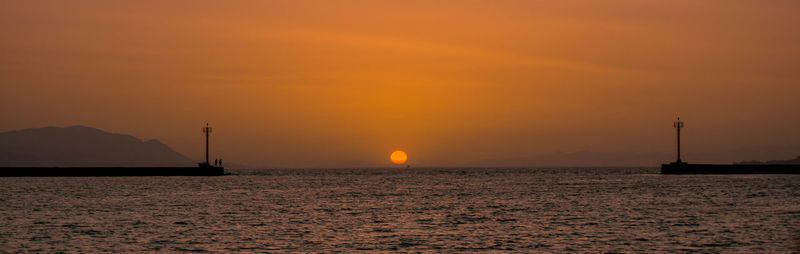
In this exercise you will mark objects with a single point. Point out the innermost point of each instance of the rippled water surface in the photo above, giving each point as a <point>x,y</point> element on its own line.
<point>429,210</point>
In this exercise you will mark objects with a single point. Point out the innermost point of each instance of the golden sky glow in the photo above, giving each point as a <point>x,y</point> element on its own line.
<point>338,83</point>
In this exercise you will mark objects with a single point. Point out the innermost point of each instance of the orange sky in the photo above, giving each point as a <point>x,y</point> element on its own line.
<point>344,83</point>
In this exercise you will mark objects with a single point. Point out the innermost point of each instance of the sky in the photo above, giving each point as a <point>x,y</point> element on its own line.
<point>345,83</point>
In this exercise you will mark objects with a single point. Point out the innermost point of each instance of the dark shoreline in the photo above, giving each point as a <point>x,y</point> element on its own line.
<point>682,168</point>
<point>109,171</point>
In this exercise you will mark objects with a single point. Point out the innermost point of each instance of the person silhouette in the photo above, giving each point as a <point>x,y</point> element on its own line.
<point>220,162</point>
<point>215,162</point>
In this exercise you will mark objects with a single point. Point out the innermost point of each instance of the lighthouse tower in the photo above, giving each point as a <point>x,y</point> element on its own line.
<point>207,131</point>
<point>678,125</point>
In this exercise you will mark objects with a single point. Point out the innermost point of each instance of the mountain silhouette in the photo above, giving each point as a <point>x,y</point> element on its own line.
<point>747,155</point>
<point>795,161</point>
<point>77,146</point>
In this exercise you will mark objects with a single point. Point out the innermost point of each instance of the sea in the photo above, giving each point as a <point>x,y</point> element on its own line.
<point>596,210</point>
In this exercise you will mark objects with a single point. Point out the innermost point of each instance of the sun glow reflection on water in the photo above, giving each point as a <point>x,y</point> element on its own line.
<point>371,210</point>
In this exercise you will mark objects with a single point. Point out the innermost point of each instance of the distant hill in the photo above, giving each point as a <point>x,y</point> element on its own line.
<point>755,154</point>
<point>83,146</point>
<point>751,153</point>
<point>795,161</point>
<point>579,159</point>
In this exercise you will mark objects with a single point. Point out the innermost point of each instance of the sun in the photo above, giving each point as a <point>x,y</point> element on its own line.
<point>398,157</point>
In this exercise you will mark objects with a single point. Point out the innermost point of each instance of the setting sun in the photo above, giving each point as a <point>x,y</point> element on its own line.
<point>398,157</point>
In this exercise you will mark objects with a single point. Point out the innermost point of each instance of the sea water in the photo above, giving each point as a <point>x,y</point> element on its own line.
<point>406,210</point>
